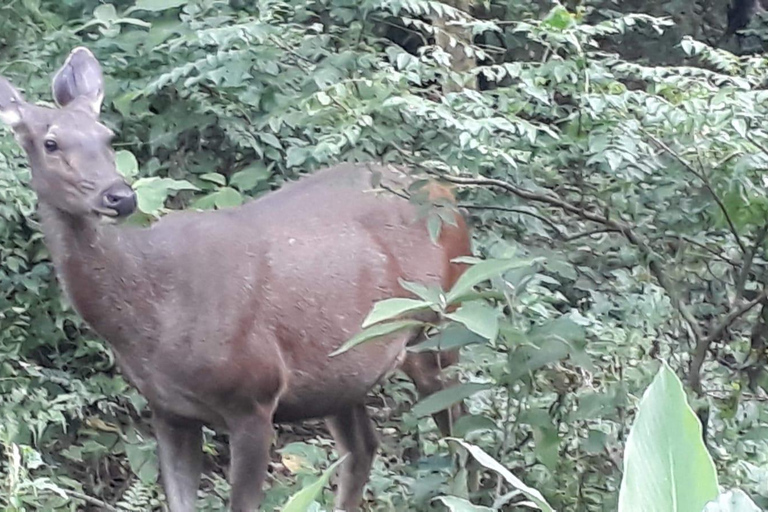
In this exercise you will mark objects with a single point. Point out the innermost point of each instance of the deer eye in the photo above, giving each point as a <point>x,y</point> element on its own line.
<point>50,145</point>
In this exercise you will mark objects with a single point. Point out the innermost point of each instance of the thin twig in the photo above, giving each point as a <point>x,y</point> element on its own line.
<point>589,233</point>
<point>103,505</point>
<point>509,209</point>
<point>682,161</point>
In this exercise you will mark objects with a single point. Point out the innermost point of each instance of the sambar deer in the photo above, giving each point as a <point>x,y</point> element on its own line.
<point>228,317</point>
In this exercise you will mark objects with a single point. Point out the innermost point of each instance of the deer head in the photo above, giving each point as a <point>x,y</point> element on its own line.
<point>69,150</point>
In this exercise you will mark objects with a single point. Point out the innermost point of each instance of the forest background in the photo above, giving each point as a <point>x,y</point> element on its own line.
<point>614,149</point>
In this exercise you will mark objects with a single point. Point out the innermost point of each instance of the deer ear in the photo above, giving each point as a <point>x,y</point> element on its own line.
<point>80,79</point>
<point>11,103</point>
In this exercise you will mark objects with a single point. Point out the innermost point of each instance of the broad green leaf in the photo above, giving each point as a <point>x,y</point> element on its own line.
<point>456,504</point>
<point>227,197</point>
<point>489,462</point>
<point>479,318</point>
<point>391,308</point>
<point>430,294</point>
<point>666,465</point>
<point>126,164</point>
<point>376,331</point>
<point>159,5</point>
<point>302,500</point>
<point>445,398</point>
<point>248,178</point>
<point>152,192</point>
<point>482,271</point>
<point>732,501</point>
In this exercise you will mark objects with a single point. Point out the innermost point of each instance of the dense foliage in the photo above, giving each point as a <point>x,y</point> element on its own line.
<point>625,184</point>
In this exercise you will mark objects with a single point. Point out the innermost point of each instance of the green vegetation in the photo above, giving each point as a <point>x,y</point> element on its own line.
<point>612,167</point>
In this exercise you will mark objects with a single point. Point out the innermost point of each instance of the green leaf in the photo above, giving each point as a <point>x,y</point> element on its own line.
<point>732,501</point>
<point>482,271</point>
<point>391,308</point>
<point>250,177</point>
<point>452,336</point>
<point>472,423</point>
<point>302,500</point>
<point>489,462</point>
<point>227,197</point>
<point>431,294</point>
<point>455,504</point>
<point>479,318</point>
<point>105,12</point>
<point>666,465</point>
<point>445,398</point>
<point>152,192</point>
<point>376,331</point>
<point>126,164</point>
<point>434,227</point>
<point>214,177</point>
<point>296,156</point>
<point>269,138</point>
<point>159,5</point>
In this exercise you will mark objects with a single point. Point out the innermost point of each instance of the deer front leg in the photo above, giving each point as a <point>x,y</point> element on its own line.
<point>249,440</point>
<point>179,443</point>
<point>354,435</point>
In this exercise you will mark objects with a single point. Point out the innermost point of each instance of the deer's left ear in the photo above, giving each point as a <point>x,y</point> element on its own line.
<point>80,81</point>
<point>11,103</point>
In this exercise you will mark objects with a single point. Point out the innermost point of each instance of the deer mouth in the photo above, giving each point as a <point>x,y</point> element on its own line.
<point>107,213</point>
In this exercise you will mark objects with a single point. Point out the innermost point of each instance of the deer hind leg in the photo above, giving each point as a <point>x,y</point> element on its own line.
<point>425,370</point>
<point>181,459</point>
<point>355,435</point>
<point>249,440</point>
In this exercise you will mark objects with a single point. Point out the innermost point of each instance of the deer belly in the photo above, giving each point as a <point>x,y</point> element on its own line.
<point>335,383</point>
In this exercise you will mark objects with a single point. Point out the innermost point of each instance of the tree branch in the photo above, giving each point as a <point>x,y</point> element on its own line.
<point>619,226</point>
<point>702,347</point>
<point>749,256</point>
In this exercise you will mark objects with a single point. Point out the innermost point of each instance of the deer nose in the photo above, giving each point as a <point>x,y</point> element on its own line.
<point>121,198</point>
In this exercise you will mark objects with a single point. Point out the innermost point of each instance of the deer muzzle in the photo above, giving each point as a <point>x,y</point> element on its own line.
<point>120,199</point>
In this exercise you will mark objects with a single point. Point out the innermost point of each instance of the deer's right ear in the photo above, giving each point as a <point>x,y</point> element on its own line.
<point>80,80</point>
<point>11,103</point>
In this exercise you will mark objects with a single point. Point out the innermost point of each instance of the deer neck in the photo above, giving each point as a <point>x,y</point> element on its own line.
<point>100,272</point>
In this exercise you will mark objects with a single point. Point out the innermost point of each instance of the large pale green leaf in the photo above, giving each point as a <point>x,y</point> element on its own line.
<point>391,308</point>
<point>302,500</point>
<point>489,462</point>
<point>666,465</point>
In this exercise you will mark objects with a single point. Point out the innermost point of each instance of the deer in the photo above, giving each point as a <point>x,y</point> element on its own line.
<point>229,318</point>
